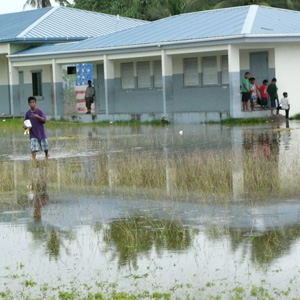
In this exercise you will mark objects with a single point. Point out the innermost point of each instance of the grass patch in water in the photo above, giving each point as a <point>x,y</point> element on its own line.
<point>242,121</point>
<point>17,123</point>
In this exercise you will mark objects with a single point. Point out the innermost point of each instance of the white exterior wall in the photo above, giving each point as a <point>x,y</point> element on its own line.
<point>287,62</point>
<point>46,73</point>
<point>4,70</point>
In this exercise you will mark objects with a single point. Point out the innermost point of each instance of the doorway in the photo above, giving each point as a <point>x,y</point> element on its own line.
<point>259,66</point>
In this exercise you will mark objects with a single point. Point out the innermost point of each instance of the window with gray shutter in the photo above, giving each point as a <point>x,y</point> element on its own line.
<point>127,76</point>
<point>157,74</point>
<point>143,74</point>
<point>190,72</point>
<point>224,69</point>
<point>209,70</point>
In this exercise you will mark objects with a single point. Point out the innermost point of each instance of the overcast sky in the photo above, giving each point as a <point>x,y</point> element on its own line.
<point>16,6</point>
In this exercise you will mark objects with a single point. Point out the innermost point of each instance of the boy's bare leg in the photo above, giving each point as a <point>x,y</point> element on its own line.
<point>46,154</point>
<point>33,155</point>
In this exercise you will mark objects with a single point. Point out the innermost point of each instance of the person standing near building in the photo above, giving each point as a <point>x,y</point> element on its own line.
<point>89,96</point>
<point>285,105</point>
<point>37,134</point>
<point>246,91</point>
<point>263,94</point>
<point>272,92</point>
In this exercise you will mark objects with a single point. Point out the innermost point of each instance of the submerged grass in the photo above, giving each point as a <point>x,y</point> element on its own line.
<point>13,124</point>
<point>203,174</point>
<point>242,121</point>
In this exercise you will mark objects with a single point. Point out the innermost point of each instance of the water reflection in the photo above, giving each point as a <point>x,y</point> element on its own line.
<point>126,198</point>
<point>135,236</point>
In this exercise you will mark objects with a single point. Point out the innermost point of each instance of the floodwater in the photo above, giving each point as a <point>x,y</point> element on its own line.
<point>179,212</point>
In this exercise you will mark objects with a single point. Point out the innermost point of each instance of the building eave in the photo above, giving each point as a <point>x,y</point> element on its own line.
<point>243,38</point>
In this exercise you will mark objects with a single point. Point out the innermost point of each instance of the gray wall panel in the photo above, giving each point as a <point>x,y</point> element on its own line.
<point>137,101</point>
<point>195,99</point>
<point>5,106</point>
<point>59,98</point>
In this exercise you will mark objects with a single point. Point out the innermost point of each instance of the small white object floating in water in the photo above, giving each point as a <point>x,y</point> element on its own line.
<point>27,123</point>
<point>180,132</point>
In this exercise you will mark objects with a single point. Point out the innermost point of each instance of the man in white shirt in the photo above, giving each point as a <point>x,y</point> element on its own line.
<point>89,96</point>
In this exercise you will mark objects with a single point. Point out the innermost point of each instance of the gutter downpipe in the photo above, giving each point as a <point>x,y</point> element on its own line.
<point>10,81</point>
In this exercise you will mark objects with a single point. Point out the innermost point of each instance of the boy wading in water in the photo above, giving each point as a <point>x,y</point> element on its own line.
<point>37,134</point>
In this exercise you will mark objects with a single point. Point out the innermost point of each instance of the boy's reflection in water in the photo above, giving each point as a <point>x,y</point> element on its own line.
<point>39,194</point>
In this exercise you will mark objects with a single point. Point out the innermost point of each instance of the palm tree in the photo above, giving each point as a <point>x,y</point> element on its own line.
<point>44,3</point>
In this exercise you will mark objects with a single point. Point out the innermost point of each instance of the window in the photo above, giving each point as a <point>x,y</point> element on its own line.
<point>36,83</point>
<point>157,74</point>
<point>143,74</point>
<point>190,72</point>
<point>209,70</point>
<point>127,76</point>
<point>224,69</point>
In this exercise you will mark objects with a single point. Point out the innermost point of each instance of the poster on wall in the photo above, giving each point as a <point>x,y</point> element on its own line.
<point>84,72</point>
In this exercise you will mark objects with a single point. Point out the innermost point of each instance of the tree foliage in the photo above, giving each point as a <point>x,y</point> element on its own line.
<point>44,3</point>
<point>157,9</point>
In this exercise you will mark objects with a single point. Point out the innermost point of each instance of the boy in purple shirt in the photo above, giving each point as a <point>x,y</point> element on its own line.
<point>37,134</point>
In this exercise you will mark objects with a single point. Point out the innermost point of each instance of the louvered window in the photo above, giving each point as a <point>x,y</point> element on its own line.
<point>209,70</point>
<point>190,72</point>
<point>224,69</point>
<point>127,76</point>
<point>143,74</point>
<point>157,74</point>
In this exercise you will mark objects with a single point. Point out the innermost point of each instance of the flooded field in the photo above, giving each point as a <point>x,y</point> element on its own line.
<point>152,212</point>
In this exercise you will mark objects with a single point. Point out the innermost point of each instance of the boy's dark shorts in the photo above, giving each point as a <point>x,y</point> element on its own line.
<point>88,102</point>
<point>264,101</point>
<point>274,103</point>
<point>246,97</point>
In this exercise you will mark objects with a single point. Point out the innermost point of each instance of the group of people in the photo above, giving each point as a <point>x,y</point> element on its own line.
<point>255,94</point>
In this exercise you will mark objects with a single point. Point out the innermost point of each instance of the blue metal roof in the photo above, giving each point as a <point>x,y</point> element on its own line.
<point>276,21</point>
<point>11,25</point>
<point>60,23</point>
<point>243,21</point>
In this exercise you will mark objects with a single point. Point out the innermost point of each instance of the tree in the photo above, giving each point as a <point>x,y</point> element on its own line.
<point>44,3</point>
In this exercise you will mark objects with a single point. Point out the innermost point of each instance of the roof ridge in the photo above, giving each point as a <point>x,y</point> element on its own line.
<point>249,20</point>
<point>39,20</point>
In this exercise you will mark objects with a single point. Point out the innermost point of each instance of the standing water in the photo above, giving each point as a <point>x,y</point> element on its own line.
<point>175,212</point>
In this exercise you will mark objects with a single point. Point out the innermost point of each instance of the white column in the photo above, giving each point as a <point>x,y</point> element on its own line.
<point>13,79</point>
<point>167,72</point>
<point>237,163</point>
<point>57,78</point>
<point>234,80</point>
<point>108,74</point>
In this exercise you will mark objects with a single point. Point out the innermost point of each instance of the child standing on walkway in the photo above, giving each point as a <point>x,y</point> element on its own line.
<point>253,92</point>
<point>37,134</point>
<point>263,94</point>
<point>284,104</point>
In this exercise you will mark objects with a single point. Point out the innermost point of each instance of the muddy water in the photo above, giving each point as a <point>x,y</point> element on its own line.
<point>194,211</point>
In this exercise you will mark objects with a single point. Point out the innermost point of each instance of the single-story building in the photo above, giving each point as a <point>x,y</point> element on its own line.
<point>184,68</point>
<point>29,29</point>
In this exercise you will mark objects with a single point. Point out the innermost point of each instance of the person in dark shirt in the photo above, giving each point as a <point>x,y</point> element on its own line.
<point>272,92</point>
<point>37,134</point>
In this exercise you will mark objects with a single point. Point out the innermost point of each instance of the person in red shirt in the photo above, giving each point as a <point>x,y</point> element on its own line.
<point>263,94</point>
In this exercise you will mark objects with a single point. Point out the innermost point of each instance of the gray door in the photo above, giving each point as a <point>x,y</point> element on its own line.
<point>259,66</point>
<point>100,90</point>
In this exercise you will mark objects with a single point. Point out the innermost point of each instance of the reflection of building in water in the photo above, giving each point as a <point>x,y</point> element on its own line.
<point>261,151</point>
<point>39,189</point>
<point>208,160</point>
